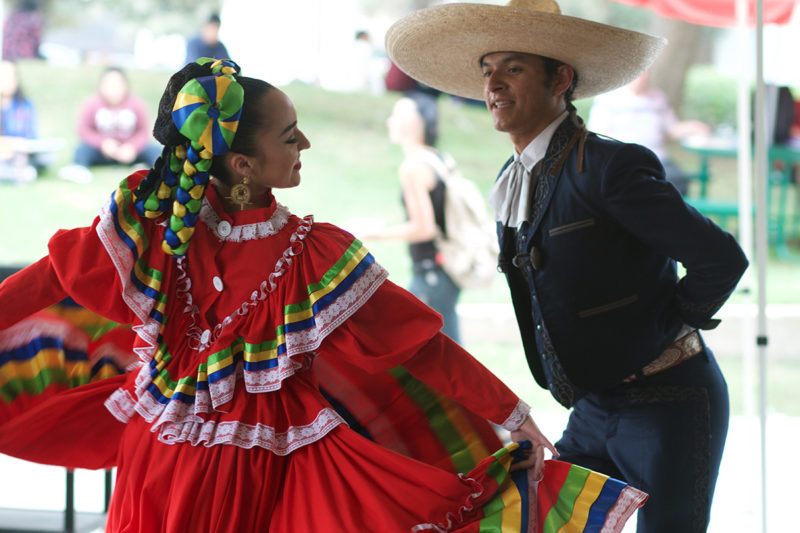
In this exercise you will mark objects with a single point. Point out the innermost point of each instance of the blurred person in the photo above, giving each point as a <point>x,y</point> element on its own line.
<point>18,112</point>
<point>367,67</point>
<point>22,31</point>
<point>237,305</point>
<point>412,125</point>
<point>794,129</point>
<point>19,123</point>
<point>113,128</point>
<point>639,113</point>
<point>398,81</point>
<point>590,234</point>
<point>206,42</point>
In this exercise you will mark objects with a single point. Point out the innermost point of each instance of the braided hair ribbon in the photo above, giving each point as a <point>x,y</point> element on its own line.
<point>206,111</point>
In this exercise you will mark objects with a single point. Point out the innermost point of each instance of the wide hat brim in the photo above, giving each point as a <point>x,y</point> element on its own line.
<point>441,46</point>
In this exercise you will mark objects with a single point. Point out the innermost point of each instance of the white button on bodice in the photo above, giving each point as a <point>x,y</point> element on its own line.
<point>224,228</point>
<point>205,337</point>
<point>217,281</point>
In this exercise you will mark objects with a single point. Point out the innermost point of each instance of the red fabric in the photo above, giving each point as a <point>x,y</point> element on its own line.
<point>28,291</point>
<point>77,266</point>
<point>413,340</point>
<point>450,369</point>
<point>381,405</point>
<point>334,480</point>
<point>86,273</point>
<point>397,80</point>
<point>795,129</point>
<point>721,13</point>
<point>341,483</point>
<point>71,428</point>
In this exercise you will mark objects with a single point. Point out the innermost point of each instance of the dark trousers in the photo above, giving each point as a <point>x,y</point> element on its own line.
<point>663,434</point>
<point>435,288</point>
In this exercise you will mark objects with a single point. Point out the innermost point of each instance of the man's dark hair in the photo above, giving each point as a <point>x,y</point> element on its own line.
<point>551,69</point>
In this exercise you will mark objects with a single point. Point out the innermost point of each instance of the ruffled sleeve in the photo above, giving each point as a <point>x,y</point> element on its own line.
<point>85,272</point>
<point>395,329</point>
<point>94,265</point>
<point>28,291</point>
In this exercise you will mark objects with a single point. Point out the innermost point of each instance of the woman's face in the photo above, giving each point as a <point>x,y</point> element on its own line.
<point>405,122</point>
<point>113,87</point>
<point>279,143</point>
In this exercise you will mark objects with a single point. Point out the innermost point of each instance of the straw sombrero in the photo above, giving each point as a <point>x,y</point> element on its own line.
<point>441,46</point>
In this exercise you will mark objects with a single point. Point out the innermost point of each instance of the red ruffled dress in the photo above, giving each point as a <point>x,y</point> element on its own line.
<point>221,425</point>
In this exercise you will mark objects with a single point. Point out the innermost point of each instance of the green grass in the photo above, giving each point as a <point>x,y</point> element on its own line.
<point>350,171</point>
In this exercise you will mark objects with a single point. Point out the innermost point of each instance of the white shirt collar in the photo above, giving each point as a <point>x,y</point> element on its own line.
<point>511,193</point>
<point>537,148</point>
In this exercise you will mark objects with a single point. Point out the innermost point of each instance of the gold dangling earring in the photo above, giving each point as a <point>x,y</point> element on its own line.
<point>240,193</point>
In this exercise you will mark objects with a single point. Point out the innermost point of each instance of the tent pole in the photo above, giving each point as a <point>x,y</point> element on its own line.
<point>744,128</point>
<point>762,243</point>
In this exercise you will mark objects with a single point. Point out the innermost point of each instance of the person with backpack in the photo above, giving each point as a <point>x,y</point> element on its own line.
<point>413,125</point>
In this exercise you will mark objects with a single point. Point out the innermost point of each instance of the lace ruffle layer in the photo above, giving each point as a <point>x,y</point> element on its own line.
<point>178,405</point>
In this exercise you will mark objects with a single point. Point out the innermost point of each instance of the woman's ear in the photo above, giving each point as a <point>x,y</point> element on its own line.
<point>240,163</point>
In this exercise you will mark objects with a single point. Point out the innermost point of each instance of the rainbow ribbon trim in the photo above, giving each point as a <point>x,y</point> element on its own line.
<point>53,360</point>
<point>399,412</point>
<point>569,499</point>
<point>262,355</point>
<point>131,234</point>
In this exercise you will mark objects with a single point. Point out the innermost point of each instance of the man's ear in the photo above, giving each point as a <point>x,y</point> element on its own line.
<point>563,79</point>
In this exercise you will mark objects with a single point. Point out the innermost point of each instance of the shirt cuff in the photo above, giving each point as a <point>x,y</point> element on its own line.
<point>517,416</point>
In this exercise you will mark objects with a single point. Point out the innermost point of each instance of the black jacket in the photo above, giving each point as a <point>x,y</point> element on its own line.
<point>593,277</point>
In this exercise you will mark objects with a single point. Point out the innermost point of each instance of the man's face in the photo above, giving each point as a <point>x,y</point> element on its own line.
<point>518,94</point>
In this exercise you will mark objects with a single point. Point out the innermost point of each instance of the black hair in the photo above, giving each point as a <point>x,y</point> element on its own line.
<point>551,69</point>
<point>27,5</point>
<point>428,109</point>
<point>116,69</point>
<point>214,19</point>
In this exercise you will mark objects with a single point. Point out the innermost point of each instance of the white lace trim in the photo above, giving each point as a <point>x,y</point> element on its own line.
<point>178,421</point>
<point>245,232</point>
<point>30,329</point>
<point>121,405</point>
<point>200,339</point>
<point>517,416</point>
<point>337,312</point>
<point>210,433</point>
<point>196,431</point>
<point>260,381</point>
<point>456,517</point>
<point>629,500</point>
<point>137,302</point>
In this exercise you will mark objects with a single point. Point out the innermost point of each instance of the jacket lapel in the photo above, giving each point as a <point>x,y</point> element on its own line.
<point>564,139</point>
